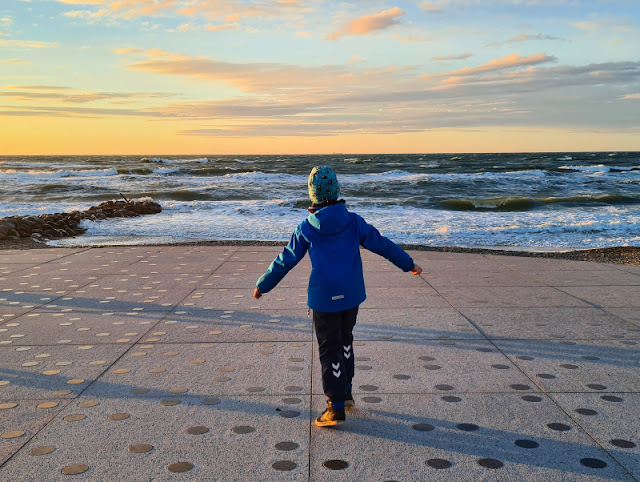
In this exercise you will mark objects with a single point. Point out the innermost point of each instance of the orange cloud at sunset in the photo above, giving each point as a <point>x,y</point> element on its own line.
<point>369,23</point>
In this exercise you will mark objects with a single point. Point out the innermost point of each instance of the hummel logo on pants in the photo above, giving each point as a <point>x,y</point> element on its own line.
<point>334,332</point>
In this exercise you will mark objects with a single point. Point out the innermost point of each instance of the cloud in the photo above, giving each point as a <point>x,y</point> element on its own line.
<point>463,56</point>
<point>68,95</point>
<point>632,97</point>
<point>35,87</point>
<point>430,7</point>
<point>524,38</point>
<point>254,77</point>
<point>508,62</point>
<point>126,8</point>
<point>85,14</point>
<point>221,10</point>
<point>594,26</point>
<point>224,26</point>
<point>369,23</point>
<point>28,44</point>
<point>16,61</point>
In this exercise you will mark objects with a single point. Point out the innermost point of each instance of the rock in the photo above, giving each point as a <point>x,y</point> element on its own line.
<point>57,225</point>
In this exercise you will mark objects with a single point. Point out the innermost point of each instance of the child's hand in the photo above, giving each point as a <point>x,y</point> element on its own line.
<point>417,270</point>
<point>256,293</point>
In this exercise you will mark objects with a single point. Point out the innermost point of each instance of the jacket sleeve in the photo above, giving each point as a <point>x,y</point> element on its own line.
<point>371,239</point>
<point>284,262</point>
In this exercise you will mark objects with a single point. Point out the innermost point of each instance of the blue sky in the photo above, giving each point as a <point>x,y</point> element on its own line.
<point>276,76</point>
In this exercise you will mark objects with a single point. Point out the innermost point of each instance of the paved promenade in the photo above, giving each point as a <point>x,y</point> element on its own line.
<point>155,363</point>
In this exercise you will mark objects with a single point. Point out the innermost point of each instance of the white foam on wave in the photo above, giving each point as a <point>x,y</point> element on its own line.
<point>166,170</point>
<point>51,165</point>
<point>63,173</point>
<point>275,220</point>
<point>161,160</point>
<point>404,176</point>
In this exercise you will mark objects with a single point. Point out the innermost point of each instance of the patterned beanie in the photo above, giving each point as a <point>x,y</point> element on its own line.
<point>323,185</point>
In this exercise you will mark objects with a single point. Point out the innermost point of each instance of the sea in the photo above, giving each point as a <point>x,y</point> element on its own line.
<point>519,200</point>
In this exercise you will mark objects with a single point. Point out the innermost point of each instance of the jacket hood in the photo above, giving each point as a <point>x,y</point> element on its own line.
<point>330,220</point>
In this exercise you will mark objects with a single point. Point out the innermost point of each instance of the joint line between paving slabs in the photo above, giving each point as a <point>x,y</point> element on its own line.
<point>554,287</point>
<point>35,434</point>
<point>177,304</point>
<point>311,371</point>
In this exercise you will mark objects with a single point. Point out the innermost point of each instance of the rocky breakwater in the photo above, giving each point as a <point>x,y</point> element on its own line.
<point>60,225</point>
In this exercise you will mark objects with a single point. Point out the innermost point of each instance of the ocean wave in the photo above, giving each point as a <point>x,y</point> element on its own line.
<point>514,204</point>
<point>599,168</point>
<point>161,160</point>
<point>63,173</point>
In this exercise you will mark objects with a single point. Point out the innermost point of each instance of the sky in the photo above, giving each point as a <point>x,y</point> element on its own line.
<point>317,76</point>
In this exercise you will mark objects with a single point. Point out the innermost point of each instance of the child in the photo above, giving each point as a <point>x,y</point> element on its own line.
<point>333,237</point>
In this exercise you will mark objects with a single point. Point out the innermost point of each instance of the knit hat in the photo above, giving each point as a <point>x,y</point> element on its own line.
<point>323,185</point>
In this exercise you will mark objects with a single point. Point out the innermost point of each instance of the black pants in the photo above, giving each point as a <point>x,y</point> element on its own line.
<point>335,342</point>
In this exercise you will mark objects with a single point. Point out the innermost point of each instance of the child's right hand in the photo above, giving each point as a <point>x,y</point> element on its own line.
<point>417,270</point>
<point>256,293</point>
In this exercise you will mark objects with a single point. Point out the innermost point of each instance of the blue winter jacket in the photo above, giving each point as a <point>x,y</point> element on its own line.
<point>333,237</point>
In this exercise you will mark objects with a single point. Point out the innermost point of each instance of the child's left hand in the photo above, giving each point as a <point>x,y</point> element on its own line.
<point>256,293</point>
<point>417,270</point>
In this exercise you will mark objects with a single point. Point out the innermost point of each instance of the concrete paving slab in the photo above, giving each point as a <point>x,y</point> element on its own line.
<point>446,367</point>
<point>415,297</point>
<point>53,371</point>
<point>511,297</point>
<point>150,281</point>
<point>96,299</point>
<point>221,369</point>
<point>78,328</point>
<point>608,296</point>
<point>587,366</point>
<point>497,277</point>
<point>33,281</point>
<point>628,268</point>
<point>20,420</point>
<point>96,295</point>
<point>436,399</point>
<point>9,312</point>
<point>257,267</point>
<point>483,437</point>
<point>413,324</point>
<point>242,299</point>
<point>525,265</point>
<point>7,269</point>
<point>550,323</point>
<point>454,262</point>
<point>606,419</point>
<point>394,277</point>
<point>36,256</point>
<point>212,326</point>
<point>264,256</point>
<point>631,315</point>
<point>149,266</point>
<point>231,439</point>
<point>248,281</point>
<point>12,300</point>
<point>611,277</point>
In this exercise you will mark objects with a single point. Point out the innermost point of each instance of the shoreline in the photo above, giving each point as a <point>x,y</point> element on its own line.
<point>629,255</point>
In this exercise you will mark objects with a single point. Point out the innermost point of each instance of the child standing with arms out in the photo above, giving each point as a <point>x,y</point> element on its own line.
<point>333,237</point>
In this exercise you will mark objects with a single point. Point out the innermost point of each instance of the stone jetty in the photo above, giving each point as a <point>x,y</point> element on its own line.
<point>60,225</point>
